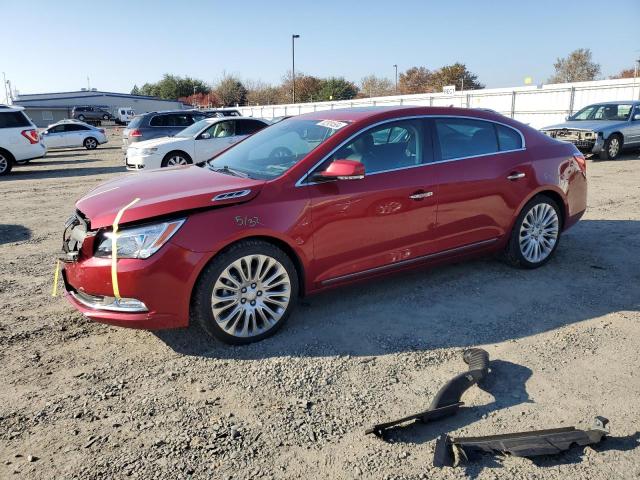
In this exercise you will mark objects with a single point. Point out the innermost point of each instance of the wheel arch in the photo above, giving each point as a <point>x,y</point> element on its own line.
<point>550,192</point>
<point>177,151</point>
<point>8,153</point>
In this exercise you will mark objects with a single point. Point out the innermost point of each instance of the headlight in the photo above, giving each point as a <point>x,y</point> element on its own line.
<point>138,242</point>
<point>148,151</point>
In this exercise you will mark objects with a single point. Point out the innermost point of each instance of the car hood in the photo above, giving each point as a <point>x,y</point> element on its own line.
<point>162,192</point>
<point>595,125</point>
<point>156,142</point>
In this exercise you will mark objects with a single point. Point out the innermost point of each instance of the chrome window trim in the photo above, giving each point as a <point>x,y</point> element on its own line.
<point>301,181</point>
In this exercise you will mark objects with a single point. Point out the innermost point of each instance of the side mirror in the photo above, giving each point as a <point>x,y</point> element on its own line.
<point>205,136</point>
<point>341,170</point>
<point>46,132</point>
<point>636,116</point>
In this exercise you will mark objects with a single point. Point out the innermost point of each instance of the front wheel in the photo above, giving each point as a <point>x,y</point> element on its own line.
<point>173,159</point>
<point>536,233</point>
<point>612,147</point>
<point>246,293</point>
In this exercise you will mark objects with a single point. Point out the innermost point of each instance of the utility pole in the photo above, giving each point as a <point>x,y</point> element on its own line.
<point>293,65</point>
<point>88,84</point>
<point>635,75</point>
<point>4,85</point>
<point>396,67</point>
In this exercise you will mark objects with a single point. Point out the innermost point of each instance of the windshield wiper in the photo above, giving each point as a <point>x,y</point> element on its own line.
<point>229,171</point>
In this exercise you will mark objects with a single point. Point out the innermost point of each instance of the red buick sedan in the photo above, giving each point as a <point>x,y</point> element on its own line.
<point>313,202</point>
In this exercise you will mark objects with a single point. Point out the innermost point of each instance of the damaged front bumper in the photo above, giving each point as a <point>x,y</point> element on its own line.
<point>586,141</point>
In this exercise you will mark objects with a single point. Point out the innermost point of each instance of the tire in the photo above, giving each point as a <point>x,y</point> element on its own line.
<point>541,219</point>
<point>90,143</point>
<point>6,163</point>
<point>612,147</point>
<point>263,310</point>
<point>105,117</point>
<point>175,158</point>
<point>81,118</point>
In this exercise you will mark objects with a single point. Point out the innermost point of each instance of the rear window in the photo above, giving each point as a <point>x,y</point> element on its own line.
<point>13,120</point>
<point>508,138</point>
<point>462,137</point>
<point>135,122</point>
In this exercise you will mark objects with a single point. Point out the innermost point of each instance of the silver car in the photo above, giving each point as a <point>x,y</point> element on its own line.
<point>603,129</point>
<point>72,133</point>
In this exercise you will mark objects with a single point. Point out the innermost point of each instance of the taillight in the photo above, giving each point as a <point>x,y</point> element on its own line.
<point>582,163</point>
<point>135,133</point>
<point>31,135</point>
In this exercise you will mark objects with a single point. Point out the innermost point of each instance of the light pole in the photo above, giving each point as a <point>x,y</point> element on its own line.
<point>396,67</point>
<point>293,65</point>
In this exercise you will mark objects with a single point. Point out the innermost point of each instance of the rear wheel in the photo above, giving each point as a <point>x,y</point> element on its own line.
<point>612,147</point>
<point>6,163</point>
<point>246,293</point>
<point>105,117</point>
<point>536,233</point>
<point>81,118</point>
<point>90,143</point>
<point>173,159</point>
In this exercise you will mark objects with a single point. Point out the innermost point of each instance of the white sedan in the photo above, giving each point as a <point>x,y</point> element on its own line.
<point>73,133</point>
<point>196,143</point>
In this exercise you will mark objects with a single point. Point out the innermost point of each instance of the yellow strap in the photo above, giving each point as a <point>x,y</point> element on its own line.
<point>114,249</point>
<point>56,273</point>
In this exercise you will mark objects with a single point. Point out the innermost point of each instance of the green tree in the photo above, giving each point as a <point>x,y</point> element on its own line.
<point>307,87</point>
<point>372,86</point>
<point>578,66</point>
<point>174,86</point>
<point>135,90</point>
<point>456,74</point>
<point>336,88</point>
<point>415,80</point>
<point>231,91</point>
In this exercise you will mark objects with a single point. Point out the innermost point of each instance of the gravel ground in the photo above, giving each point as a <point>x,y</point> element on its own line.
<point>80,400</point>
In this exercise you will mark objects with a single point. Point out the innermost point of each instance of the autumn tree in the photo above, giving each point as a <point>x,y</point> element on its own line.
<point>372,86</point>
<point>307,87</point>
<point>578,66</point>
<point>415,80</point>
<point>626,73</point>
<point>261,93</point>
<point>456,74</point>
<point>231,91</point>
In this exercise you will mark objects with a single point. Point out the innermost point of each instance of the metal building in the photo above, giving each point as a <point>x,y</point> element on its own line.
<point>47,108</point>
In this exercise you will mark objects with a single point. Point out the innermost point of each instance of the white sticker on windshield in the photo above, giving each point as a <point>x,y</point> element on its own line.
<point>332,124</point>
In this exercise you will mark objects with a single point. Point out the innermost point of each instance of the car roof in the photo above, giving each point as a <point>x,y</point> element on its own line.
<point>11,108</point>
<point>70,120</point>
<point>615,102</point>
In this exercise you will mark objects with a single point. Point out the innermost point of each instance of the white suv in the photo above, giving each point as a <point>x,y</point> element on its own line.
<point>19,139</point>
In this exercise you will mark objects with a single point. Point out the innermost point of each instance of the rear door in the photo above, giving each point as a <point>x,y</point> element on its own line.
<point>384,220</point>
<point>484,172</point>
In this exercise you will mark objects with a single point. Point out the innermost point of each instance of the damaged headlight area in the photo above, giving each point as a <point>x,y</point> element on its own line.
<point>138,242</point>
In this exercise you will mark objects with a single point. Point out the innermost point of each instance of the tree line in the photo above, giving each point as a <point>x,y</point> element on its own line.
<point>230,90</point>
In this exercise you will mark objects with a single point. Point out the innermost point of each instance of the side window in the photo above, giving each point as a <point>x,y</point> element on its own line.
<point>159,121</point>
<point>388,147</point>
<point>223,129</point>
<point>248,127</point>
<point>57,129</point>
<point>463,137</point>
<point>508,138</point>
<point>197,117</point>
<point>13,120</point>
<point>179,120</point>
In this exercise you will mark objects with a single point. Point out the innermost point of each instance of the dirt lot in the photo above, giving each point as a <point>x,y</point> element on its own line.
<point>87,401</point>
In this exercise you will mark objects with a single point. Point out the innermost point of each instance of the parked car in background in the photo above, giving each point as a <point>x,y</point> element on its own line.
<point>194,144</point>
<point>604,129</point>
<point>72,133</point>
<point>222,112</point>
<point>316,201</point>
<point>123,115</point>
<point>19,139</point>
<point>159,124</point>
<point>90,113</point>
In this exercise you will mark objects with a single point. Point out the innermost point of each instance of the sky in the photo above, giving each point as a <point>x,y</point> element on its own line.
<point>57,45</point>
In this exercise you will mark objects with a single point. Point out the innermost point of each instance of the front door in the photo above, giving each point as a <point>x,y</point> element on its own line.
<point>385,219</point>
<point>217,137</point>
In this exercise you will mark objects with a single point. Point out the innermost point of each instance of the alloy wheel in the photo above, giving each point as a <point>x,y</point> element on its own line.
<point>251,295</point>
<point>539,232</point>
<point>4,164</point>
<point>91,143</point>
<point>614,147</point>
<point>177,160</point>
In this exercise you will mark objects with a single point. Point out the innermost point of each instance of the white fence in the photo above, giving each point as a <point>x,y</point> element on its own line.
<point>537,106</point>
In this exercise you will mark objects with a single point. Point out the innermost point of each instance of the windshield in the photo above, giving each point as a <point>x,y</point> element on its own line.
<point>274,150</point>
<point>612,111</point>
<point>192,129</point>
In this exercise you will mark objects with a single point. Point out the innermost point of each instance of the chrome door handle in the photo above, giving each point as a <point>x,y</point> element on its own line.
<point>516,176</point>
<point>420,195</point>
